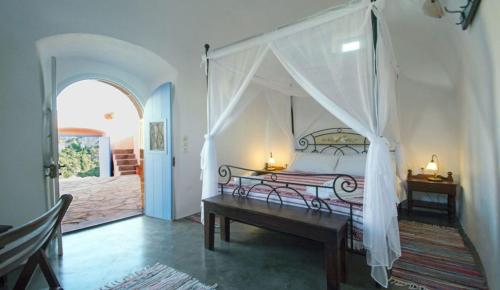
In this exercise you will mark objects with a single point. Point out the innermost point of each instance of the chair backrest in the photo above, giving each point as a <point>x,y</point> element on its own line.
<point>18,244</point>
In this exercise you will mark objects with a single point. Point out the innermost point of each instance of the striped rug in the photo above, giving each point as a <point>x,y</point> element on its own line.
<point>158,277</point>
<point>435,257</point>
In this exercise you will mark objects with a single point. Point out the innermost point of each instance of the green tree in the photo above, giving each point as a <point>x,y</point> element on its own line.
<point>78,159</point>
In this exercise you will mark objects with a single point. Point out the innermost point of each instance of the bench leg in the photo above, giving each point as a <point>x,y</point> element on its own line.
<point>332,266</point>
<point>343,260</point>
<point>209,229</point>
<point>224,228</point>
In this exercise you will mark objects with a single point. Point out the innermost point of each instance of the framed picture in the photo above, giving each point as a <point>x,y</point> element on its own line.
<point>157,136</point>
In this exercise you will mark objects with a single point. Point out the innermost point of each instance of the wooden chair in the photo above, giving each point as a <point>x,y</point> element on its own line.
<point>29,242</point>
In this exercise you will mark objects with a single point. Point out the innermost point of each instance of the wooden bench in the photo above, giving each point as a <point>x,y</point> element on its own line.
<point>26,246</point>
<point>329,229</point>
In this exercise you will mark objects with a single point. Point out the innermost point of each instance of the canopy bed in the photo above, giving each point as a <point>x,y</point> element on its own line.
<point>327,175</point>
<point>343,59</point>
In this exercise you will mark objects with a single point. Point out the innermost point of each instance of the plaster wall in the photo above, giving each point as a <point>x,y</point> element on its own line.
<point>478,90</point>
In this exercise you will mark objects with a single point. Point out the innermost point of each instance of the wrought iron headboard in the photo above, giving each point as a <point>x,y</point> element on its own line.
<point>334,140</point>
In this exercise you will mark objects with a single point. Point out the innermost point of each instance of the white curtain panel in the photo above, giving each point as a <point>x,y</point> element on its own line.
<point>333,62</point>
<point>309,116</point>
<point>332,59</point>
<point>280,108</point>
<point>228,79</point>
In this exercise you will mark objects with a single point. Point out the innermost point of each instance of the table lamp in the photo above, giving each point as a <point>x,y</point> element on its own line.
<point>433,167</point>
<point>271,162</point>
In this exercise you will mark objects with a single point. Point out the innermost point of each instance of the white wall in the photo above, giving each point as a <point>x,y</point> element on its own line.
<point>249,140</point>
<point>479,92</point>
<point>428,105</point>
<point>430,126</point>
<point>309,116</point>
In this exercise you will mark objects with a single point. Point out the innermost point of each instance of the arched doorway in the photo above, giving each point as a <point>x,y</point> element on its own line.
<point>68,58</point>
<point>100,152</point>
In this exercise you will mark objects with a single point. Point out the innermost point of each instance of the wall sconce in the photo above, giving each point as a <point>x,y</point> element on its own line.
<point>433,8</point>
<point>466,12</point>
<point>109,116</point>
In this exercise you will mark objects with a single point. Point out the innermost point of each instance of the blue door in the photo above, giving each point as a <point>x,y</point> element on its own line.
<point>158,201</point>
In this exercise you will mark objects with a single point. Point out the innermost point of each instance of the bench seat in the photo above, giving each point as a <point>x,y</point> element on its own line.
<point>327,228</point>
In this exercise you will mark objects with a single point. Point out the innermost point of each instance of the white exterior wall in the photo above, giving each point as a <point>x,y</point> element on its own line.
<point>104,157</point>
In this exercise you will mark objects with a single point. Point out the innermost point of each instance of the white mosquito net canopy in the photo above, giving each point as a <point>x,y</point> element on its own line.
<point>344,64</point>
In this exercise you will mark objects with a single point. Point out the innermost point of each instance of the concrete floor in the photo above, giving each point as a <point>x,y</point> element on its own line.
<point>254,259</point>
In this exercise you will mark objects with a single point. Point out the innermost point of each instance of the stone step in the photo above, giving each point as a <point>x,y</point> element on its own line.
<point>124,156</point>
<point>127,167</point>
<point>126,162</point>
<point>127,172</point>
<point>123,151</point>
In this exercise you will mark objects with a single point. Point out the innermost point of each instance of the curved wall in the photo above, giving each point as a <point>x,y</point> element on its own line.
<point>478,90</point>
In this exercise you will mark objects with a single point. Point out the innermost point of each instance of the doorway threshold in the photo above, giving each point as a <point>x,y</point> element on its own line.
<point>68,229</point>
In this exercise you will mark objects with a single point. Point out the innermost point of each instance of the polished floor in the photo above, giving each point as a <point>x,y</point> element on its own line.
<point>254,259</point>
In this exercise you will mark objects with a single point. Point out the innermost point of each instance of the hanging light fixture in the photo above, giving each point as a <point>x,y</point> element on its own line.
<point>433,8</point>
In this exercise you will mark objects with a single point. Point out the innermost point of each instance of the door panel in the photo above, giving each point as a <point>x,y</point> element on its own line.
<point>158,154</point>
<point>50,153</point>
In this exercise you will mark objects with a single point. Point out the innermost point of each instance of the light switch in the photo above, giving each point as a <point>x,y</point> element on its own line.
<point>185,144</point>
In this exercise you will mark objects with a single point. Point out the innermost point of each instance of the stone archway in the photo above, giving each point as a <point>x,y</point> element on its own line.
<point>100,139</point>
<point>68,58</point>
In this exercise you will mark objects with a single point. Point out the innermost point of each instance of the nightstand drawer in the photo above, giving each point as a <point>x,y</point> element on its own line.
<point>444,188</point>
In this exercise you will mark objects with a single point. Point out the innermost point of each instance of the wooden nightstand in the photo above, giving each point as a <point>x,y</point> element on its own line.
<point>420,183</point>
<point>268,170</point>
<point>275,168</point>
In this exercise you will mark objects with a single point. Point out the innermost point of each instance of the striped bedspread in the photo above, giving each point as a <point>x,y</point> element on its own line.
<point>306,186</point>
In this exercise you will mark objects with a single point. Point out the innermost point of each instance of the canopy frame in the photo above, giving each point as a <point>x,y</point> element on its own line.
<point>281,31</point>
<point>316,20</point>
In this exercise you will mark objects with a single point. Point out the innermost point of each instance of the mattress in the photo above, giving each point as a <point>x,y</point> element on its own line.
<point>306,186</point>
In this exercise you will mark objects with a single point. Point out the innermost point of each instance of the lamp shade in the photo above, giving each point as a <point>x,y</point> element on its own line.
<point>271,160</point>
<point>432,166</point>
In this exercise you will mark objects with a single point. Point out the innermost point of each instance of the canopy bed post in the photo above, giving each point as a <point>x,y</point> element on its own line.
<point>375,82</point>
<point>374,27</point>
<point>291,116</point>
<point>207,63</point>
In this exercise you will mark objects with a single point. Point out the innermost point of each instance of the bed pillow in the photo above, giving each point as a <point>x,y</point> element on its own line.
<point>352,165</point>
<point>314,162</point>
